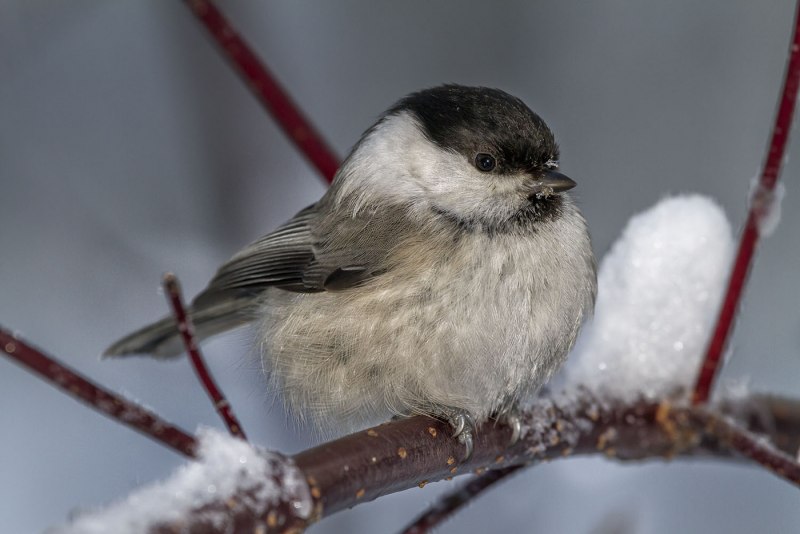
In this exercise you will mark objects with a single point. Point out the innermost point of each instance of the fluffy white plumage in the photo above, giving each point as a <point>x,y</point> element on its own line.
<point>462,320</point>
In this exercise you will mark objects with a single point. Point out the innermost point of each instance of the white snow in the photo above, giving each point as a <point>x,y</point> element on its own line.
<point>659,289</point>
<point>226,466</point>
<point>767,205</point>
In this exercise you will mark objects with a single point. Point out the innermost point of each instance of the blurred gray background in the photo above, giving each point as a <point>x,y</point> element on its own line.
<point>128,147</point>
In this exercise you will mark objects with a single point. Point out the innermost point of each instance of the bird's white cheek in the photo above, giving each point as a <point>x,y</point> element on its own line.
<point>469,193</point>
<point>397,163</point>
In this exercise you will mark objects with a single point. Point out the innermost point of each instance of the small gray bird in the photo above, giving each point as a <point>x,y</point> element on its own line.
<point>445,272</point>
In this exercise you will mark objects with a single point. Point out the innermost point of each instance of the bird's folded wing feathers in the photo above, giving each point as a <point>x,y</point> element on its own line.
<point>315,251</point>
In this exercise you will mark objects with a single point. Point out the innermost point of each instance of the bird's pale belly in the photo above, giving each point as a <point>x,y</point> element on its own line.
<point>470,332</point>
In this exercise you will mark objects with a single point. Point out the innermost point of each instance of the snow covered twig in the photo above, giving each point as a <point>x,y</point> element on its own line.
<point>266,88</point>
<point>114,406</point>
<point>232,487</point>
<point>186,328</point>
<point>413,452</point>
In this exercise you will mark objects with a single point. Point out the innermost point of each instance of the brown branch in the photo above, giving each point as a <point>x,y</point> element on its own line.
<point>775,417</point>
<point>186,328</point>
<point>750,445</point>
<point>760,206</point>
<point>370,463</point>
<point>412,452</point>
<point>114,406</point>
<point>266,88</point>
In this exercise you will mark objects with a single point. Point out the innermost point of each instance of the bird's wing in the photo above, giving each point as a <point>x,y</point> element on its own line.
<point>315,251</point>
<point>318,250</point>
<point>276,259</point>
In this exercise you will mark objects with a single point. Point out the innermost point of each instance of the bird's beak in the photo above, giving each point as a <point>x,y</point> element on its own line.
<point>552,182</point>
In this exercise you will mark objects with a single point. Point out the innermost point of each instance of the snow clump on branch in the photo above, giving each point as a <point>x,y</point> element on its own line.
<point>227,468</point>
<point>659,290</point>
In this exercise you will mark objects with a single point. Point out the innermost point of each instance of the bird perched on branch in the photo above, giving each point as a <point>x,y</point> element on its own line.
<point>445,272</point>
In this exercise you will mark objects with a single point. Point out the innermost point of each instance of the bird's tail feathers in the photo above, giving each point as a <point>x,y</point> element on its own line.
<point>161,339</point>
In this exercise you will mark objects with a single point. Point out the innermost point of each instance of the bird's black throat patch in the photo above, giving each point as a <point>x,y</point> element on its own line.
<point>525,220</point>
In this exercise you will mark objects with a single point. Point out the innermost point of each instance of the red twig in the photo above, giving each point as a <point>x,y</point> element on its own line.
<point>102,400</point>
<point>759,207</point>
<point>453,502</point>
<point>186,329</point>
<point>266,89</point>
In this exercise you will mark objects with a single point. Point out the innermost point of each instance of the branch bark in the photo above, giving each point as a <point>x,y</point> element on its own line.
<point>186,329</point>
<point>105,401</point>
<point>267,89</point>
<point>413,452</point>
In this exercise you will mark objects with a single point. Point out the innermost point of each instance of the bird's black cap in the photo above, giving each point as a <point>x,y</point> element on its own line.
<point>473,120</point>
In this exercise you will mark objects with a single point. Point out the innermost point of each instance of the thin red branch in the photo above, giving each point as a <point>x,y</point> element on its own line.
<point>751,446</point>
<point>266,88</point>
<point>186,328</point>
<point>760,205</point>
<point>452,502</point>
<point>118,408</point>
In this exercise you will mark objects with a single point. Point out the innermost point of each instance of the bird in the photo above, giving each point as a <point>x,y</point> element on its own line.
<point>447,271</point>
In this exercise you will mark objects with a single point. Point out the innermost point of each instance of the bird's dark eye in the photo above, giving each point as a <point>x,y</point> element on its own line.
<point>485,162</point>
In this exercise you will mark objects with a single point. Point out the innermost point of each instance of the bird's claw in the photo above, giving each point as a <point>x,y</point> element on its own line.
<point>463,429</point>
<point>513,421</point>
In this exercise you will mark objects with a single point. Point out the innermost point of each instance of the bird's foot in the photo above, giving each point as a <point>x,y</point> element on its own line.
<point>512,419</point>
<point>510,416</point>
<point>463,429</point>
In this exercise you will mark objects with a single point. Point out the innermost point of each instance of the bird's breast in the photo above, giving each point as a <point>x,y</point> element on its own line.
<point>469,322</point>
